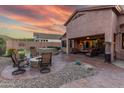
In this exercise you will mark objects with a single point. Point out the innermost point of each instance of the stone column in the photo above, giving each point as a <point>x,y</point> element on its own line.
<point>107,51</point>
<point>67,46</point>
<point>72,43</point>
<point>109,47</point>
<point>61,44</point>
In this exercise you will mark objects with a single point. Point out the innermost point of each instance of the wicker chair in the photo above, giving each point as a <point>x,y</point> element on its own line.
<point>17,61</point>
<point>45,62</point>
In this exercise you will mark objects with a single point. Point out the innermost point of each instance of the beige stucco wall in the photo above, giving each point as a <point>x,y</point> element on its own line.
<point>121,19</point>
<point>91,23</point>
<point>119,50</point>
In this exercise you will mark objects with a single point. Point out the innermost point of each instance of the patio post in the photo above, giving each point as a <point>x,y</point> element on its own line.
<point>109,47</point>
<point>67,46</point>
<point>72,43</point>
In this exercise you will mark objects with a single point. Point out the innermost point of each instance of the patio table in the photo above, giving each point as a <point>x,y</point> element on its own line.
<point>34,61</point>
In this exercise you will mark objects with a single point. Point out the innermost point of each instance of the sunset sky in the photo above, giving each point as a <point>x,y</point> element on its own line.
<point>22,21</point>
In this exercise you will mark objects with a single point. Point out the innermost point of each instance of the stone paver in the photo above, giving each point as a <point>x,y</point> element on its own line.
<point>6,72</point>
<point>56,78</point>
<point>108,75</point>
<point>119,63</point>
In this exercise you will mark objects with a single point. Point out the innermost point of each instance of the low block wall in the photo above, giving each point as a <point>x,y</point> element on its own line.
<point>27,44</point>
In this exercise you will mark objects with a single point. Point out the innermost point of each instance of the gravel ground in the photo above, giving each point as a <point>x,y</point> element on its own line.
<point>69,73</point>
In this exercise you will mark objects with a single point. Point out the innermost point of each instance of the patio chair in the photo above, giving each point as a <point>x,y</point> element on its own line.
<point>45,62</point>
<point>13,59</point>
<point>33,51</point>
<point>17,60</point>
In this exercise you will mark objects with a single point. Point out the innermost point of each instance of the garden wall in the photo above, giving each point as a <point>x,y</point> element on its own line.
<point>17,44</point>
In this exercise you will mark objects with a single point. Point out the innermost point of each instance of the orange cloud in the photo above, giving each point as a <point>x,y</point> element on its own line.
<point>49,30</point>
<point>40,18</point>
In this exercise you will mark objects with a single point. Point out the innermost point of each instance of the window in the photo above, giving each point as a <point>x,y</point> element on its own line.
<point>123,41</point>
<point>64,43</point>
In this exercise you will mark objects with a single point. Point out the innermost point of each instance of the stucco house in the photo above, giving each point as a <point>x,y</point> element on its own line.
<point>100,27</point>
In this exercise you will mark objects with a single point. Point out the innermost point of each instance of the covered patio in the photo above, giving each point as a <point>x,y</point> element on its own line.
<point>92,45</point>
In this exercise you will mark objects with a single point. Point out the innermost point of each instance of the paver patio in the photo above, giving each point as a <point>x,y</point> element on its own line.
<point>62,72</point>
<point>108,75</point>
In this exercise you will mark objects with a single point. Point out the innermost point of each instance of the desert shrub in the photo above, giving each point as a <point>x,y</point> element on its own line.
<point>21,53</point>
<point>9,52</point>
<point>21,49</point>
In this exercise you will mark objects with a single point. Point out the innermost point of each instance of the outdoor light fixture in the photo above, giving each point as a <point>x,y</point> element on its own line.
<point>87,37</point>
<point>118,8</point>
